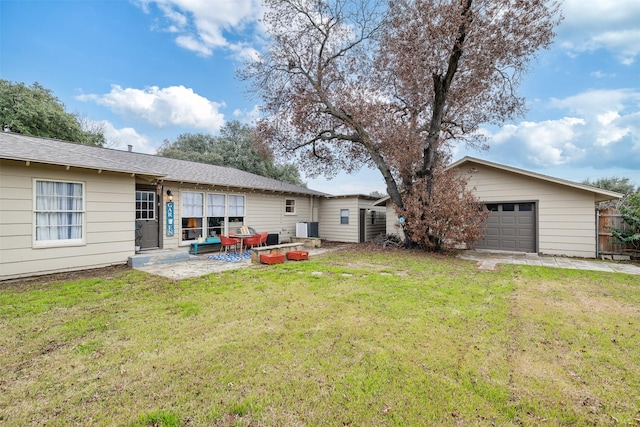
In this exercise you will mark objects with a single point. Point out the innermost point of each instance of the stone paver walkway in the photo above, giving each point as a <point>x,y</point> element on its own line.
<point>488,260</point>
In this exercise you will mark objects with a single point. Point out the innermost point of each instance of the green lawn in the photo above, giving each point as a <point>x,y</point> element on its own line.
<point>348,338</point>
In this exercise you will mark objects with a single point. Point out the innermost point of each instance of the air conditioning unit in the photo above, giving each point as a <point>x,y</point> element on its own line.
<point>301,229</point>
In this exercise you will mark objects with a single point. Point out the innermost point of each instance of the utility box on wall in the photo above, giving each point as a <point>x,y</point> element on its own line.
<point>312,229</point>
<point>301,229</point>
<point>307,229</point>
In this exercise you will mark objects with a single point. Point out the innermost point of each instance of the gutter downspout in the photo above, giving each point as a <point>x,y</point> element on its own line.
<point>597,234</point>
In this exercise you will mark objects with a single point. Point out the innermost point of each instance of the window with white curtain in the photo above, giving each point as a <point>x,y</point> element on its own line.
<point>192,215</point>
<point>236,206</point>
<point>216,211</point>
<point>59,212</point>
<point>236,213</point>
<point>210,214</point>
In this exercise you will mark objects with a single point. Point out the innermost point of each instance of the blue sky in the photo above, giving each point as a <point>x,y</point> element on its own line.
<point>150,70</point>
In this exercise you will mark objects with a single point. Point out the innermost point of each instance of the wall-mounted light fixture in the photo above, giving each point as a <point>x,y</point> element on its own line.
<point>170,195</point>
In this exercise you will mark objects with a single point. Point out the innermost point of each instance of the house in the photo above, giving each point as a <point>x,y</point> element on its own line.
<point>66,206</point>
<point>351,218</point>
<point>529,212</point>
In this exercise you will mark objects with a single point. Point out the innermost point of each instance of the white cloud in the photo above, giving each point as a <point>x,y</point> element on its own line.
<point>600,128</point>
<point>601,75</point>
<point>192,44</point>
<point>544,143</point>
<point>120,139</point>
<point>203,26</point>
<point>170,106</point>
<point>590,25</point>
<point>599,101</point>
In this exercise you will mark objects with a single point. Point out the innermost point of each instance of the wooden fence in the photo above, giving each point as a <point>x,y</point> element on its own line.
<point>608,219</point>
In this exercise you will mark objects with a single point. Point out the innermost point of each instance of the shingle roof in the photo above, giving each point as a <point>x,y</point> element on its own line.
<point>50,151</point>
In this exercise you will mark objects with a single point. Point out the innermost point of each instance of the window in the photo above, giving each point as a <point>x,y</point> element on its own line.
<point>508,207</point>
<point>192,214</point>
<point>344,216</point>
<point>210,214</point>
<point>59,212</point>
<point>236,212</point>
<point>216,211</point>
<point>525,207</point>
<point>373,217</point>
<point>289,206</point>
<point>236,205</point>
<point>492,207</point>
<point>145,205</point>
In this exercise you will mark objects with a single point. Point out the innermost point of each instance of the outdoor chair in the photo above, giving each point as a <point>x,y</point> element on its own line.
<point>228,242</point>
<point>263,238</point>
<point>252,241</point>
<point>232,234</point>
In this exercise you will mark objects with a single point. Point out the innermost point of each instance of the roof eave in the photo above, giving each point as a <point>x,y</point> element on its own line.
<point>85,167</point>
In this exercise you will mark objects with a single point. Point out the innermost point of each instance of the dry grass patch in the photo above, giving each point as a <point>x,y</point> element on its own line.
<point>574,353</point>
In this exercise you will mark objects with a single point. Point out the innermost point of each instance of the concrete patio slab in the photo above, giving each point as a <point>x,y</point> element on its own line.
<point>200,265</point>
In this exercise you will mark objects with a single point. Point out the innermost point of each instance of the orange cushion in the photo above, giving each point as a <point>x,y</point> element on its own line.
<point>272,258</point>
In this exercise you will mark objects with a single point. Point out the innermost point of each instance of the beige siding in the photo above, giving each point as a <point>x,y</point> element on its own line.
<point>263,211</point>
<point>393,225</point>
<point>379,226</point>
<point>109,221</point>
<point>330,227</point>
<point>566,215</point>
<point>267,213</point>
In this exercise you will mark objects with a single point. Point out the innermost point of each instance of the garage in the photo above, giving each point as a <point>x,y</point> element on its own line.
<point>510,227</point>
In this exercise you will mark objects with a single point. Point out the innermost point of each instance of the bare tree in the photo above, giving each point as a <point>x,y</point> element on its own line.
<point>444,216</point>
<point>349,83</point>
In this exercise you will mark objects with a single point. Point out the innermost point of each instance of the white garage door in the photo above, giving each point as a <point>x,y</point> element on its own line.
<point>510,227</point>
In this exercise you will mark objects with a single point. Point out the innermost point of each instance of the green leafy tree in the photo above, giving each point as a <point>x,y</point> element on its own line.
<point>34,110</point>
<point>618,184</point>
<point>631,216</point>
<point>235,147</point>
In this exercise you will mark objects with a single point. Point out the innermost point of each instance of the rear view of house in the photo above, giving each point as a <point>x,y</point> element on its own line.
<point>66,206</point>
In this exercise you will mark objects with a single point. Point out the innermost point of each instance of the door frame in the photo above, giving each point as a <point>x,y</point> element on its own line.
<point>157,190</point>
<point>536,221</point>
<point>362,226</point>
